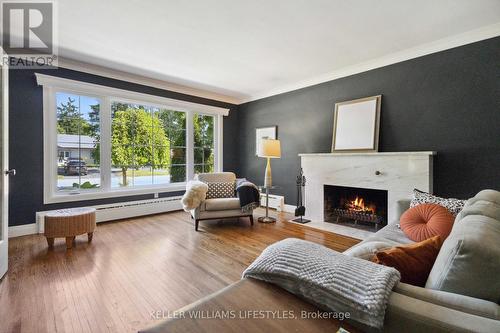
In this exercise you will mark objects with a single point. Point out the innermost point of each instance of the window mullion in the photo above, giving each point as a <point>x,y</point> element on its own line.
<point>105,143</point>
<point>218,143</point>
<point>189,146</point>
<point>52,139</point>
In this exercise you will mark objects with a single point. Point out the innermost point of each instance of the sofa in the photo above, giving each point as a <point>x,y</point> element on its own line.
<point>462,293</point>
<point>467,266</point>
<point>219,208</point>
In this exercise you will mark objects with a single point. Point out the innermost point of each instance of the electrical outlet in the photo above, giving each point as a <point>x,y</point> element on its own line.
<point>157,195</point>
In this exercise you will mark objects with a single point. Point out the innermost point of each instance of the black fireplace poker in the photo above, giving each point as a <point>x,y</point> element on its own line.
<point>301,209</point>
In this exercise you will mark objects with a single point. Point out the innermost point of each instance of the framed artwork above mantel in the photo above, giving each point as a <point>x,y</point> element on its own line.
<point>356,125</point>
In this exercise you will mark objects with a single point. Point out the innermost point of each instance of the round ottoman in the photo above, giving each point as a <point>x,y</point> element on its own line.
<point>69,223</point>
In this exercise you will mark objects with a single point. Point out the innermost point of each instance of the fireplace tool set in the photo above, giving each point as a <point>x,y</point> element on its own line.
<point>301,209</point>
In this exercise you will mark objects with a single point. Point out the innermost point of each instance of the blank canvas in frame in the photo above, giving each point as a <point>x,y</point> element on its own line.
<point>356,125</point>
<point>261,133</point>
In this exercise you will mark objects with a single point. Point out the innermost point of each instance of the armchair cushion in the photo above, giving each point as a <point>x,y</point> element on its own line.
<point>221,204</point>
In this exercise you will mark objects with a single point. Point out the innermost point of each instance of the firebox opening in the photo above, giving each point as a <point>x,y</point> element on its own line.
<point>359,207</point>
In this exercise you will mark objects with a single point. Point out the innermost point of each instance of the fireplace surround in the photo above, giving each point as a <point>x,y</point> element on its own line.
<point>398,173</point>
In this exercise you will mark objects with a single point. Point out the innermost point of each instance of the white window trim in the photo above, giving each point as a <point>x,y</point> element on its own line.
<point>106,95</point>
<point>99,90</point>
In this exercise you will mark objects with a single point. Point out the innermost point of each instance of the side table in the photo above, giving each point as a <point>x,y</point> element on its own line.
<point>267,218</point>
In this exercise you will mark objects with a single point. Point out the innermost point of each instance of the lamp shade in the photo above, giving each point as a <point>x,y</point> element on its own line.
<point>270,148</point>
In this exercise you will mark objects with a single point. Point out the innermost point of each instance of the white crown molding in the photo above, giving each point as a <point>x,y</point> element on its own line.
<point>468,37</point>
<point>143,80</point>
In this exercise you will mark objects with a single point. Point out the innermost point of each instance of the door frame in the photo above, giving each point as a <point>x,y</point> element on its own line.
<point>4,165</point>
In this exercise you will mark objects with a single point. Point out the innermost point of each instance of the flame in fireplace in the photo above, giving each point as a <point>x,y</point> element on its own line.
<point>358,205</point>
<point>359,202</point>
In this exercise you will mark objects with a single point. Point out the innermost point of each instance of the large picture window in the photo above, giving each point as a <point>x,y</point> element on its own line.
<point>102,142</point>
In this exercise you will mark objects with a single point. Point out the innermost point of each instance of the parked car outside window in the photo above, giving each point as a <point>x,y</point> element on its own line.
<point>75,167</point>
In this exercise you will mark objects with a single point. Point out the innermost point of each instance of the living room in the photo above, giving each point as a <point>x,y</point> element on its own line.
<point>214,166</point>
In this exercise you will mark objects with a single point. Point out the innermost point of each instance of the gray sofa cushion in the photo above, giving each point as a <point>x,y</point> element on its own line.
<point>469,260</point>
<point>385,238</point>
<point>401,207</point>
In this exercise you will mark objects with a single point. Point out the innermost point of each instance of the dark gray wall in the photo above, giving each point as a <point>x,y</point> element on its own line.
<point>448,102</point>
<point>26,139</point>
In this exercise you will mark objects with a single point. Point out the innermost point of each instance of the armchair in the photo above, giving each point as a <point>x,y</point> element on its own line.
<point>219,208</point>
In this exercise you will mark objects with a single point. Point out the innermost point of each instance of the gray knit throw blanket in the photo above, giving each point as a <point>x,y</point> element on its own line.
<point>328,279</point>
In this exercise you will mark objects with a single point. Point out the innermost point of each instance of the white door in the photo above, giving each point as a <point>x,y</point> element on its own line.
<point>4,162</point>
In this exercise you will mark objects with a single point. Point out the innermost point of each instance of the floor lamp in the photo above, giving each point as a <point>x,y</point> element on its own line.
<point>269,149</point>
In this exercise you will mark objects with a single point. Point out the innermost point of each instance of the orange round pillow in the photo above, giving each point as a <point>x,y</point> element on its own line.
<point>425,221</point>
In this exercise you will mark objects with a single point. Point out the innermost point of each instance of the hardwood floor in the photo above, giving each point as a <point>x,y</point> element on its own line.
<point>133,267</point>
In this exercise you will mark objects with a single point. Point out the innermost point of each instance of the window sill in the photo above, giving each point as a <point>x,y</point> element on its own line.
<point>92,195</point>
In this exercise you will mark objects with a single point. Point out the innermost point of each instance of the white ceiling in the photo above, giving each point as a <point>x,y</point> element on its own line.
<point>251,49</point>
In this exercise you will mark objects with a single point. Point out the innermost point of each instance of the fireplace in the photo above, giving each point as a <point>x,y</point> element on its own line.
<point>358,207</point>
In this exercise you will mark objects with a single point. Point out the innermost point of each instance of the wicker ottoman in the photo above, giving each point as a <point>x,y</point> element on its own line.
<point>69,223</point>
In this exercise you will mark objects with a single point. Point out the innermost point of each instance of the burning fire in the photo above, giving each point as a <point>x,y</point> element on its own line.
<point>358,205</point>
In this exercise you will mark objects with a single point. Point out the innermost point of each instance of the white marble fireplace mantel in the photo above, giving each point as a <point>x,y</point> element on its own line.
<point>397,172</point>
<point>412,153</point>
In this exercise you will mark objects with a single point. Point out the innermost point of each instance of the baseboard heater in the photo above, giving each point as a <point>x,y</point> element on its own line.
<point>123,210</point>
<point>275,201</point>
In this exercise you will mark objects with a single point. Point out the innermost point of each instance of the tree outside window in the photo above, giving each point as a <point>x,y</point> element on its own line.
<point>203,143</point>
<point>78,142</point>
<point>148,145</point>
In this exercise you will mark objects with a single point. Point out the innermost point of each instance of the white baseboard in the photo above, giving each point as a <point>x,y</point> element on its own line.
<point>108,212</point>
<point>275,201</point>
<point>289,208</point>
<point>23,230</point>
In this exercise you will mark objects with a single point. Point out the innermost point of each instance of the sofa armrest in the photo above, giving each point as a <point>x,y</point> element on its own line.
<point>408,314</point>
<point>401,207</point>
<point>458,302</point>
